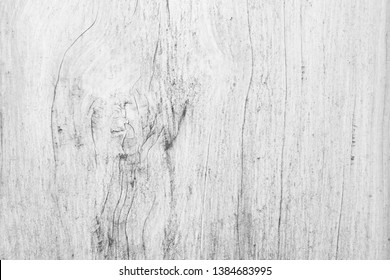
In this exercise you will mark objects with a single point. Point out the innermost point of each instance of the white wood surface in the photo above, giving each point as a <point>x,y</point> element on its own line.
<point>220,129</point>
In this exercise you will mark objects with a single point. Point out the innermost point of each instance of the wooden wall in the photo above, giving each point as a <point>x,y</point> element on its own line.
<point>170,129</point>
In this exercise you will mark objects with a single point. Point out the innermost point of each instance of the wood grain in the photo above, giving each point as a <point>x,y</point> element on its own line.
<point>172,129</point>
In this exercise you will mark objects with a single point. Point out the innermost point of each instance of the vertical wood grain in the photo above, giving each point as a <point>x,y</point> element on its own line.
<point>194,129</point>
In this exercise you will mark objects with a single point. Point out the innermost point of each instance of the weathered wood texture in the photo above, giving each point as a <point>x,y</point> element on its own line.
<point>191,129</point>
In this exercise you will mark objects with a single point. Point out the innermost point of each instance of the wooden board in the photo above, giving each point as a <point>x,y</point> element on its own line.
<point>195,129</point>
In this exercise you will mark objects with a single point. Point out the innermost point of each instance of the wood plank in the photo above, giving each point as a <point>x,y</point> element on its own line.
<point>194,129</point>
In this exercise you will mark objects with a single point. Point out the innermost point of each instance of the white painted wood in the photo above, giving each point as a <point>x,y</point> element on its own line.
<point>194,129</point>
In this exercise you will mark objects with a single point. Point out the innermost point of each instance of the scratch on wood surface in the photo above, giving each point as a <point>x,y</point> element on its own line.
<point>340,217</point>
<point>53,126</point>
<point>240,194</point>
<point>206,171</point>
<point>284,130</point>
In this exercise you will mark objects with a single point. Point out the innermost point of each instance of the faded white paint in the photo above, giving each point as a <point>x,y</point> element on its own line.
<point>194,129</point>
